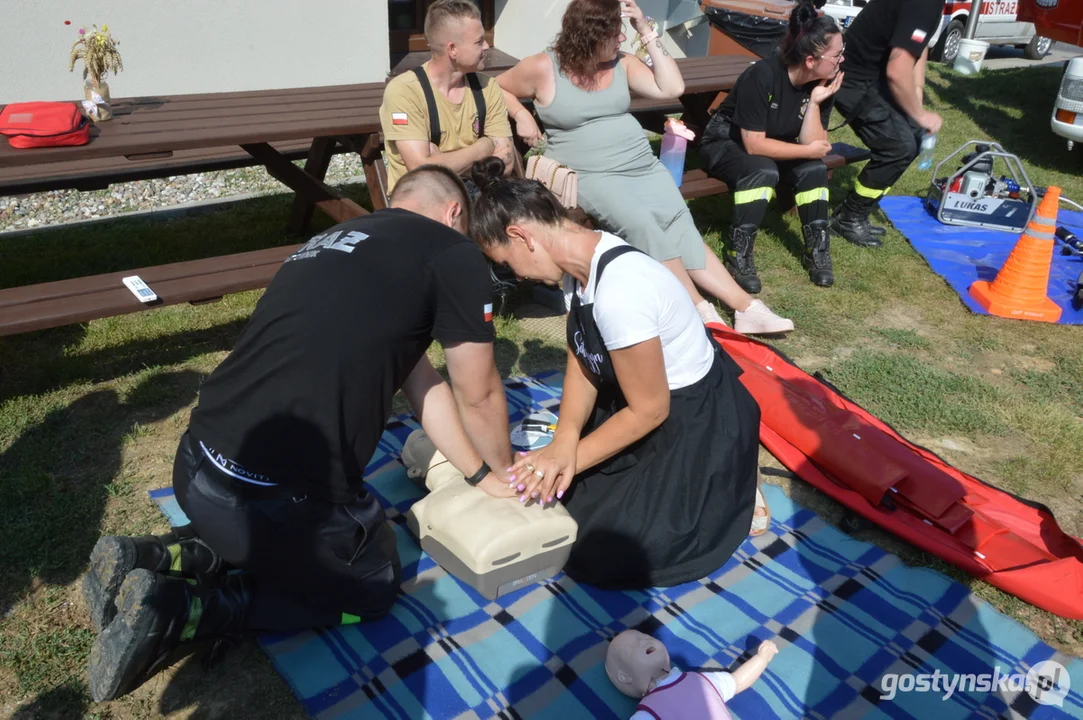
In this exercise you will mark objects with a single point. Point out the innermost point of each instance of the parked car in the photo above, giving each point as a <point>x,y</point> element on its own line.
<point>997,25</point>
<point>844,11</point>
<point>1067,120</point>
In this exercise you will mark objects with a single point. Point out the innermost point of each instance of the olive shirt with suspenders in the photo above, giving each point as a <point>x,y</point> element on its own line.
<point>412,110</point>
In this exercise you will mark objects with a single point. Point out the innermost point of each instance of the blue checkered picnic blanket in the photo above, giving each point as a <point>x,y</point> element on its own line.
<point>844,613</point>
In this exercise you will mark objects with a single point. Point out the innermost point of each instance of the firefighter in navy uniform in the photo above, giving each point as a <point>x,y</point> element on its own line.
<point>773,127</point>
<point>887,48</point>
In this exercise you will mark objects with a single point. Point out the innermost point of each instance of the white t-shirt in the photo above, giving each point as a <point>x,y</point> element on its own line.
<point>642,299</point>
<point>723,682</point>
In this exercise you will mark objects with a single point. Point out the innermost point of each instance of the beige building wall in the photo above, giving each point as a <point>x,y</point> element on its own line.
<point>193,46</point>
<point>526,27</point>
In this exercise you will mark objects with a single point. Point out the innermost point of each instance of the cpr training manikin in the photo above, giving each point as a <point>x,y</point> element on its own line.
<point>496,545</point>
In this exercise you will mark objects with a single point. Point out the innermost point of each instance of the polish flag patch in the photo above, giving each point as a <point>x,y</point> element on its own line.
<point>489,312</point>
<point>400,119</point>
<point>918,36</point>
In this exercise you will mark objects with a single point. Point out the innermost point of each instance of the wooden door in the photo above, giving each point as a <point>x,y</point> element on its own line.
<point>406,23</point>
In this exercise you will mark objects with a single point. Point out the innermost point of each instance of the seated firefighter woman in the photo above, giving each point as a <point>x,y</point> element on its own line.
<point>774,126</point>
<point>655,452</point>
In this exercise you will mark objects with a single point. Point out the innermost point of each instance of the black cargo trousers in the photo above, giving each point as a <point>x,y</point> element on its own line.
<point>889,133</point>
<point>310,563</point>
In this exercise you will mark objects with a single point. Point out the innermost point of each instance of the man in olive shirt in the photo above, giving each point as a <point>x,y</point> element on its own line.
<point>471,118</point>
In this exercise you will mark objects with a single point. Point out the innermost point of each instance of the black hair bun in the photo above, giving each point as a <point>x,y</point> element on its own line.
<point>804,14</point>
<point>486,172</point>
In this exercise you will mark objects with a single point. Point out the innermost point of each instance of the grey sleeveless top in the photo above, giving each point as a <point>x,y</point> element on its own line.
<point>592,131</point>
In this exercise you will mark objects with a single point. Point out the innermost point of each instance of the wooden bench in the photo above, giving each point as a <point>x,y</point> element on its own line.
<point>158,137</point>
<point>63,302</point>
<point>698,184</point>
<point>100,173</point>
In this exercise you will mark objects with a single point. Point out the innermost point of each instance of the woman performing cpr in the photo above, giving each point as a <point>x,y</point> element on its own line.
<point>655,452</point>
<point>774,125</point>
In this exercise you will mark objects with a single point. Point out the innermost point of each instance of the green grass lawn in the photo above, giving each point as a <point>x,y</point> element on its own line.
<point>90,414</point>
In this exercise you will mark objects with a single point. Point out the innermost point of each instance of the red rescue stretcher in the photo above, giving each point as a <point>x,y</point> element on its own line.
<point>860,461</point>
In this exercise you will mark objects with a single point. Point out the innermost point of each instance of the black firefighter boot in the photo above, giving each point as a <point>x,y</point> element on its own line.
<point>113,557</point>
<point>851,222</point>
<point>739,260</point>
<point>874,229</point>
<point>156,614</point>
<point>818,253</point>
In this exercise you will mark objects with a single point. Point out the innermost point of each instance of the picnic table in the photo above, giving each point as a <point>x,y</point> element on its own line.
<point>270,127</point>
<point>162,136</point>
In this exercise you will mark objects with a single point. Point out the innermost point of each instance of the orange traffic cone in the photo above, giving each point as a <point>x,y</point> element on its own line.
<point>1019,290</point>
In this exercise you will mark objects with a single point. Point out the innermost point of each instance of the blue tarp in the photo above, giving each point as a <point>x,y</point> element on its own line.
<point>847,616</point>
<point>962,255</point>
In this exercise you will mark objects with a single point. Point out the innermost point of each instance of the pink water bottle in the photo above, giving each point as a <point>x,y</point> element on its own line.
<point>674,144</point>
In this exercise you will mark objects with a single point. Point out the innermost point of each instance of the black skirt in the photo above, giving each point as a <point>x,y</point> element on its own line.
<point>676,505</point>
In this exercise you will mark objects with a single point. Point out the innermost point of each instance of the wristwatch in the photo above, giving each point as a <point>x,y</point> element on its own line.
<point>477,477</point>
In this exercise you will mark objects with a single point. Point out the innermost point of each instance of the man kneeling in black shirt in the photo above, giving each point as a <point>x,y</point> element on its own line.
<point>269,470</point>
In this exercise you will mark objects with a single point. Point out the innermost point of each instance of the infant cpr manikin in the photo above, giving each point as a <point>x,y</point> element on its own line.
<point>496,545</point>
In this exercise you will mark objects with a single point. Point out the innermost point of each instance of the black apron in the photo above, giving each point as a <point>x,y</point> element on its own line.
<point>673,506</point>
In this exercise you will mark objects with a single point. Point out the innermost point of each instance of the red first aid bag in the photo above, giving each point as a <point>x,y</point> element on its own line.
<point>44,124</point>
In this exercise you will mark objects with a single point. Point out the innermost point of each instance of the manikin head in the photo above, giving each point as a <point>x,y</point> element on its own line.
<point>635,662</point>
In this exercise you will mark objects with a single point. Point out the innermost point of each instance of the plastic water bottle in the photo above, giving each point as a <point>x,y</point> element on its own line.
<point>925,159</point>
<point>674,145</point>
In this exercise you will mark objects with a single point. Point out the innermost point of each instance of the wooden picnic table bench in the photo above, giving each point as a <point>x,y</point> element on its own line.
<point>100,173</point>
<point>63,302</point>
<point>161,136</point>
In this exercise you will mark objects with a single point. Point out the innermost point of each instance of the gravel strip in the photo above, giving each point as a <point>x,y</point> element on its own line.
<point>61,206</point>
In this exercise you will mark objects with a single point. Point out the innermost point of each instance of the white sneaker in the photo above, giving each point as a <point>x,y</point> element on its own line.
<point>708,313</point>
<point>759,320</point>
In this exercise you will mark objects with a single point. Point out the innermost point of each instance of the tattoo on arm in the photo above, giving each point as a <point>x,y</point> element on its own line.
<point>658,44</point>
<point>504,150</point>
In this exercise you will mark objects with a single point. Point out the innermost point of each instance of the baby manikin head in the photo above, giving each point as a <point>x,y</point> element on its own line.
<point>635,661</point>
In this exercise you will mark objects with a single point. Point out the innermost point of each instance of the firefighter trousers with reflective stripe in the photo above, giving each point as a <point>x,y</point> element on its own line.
<point>752,179</point>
